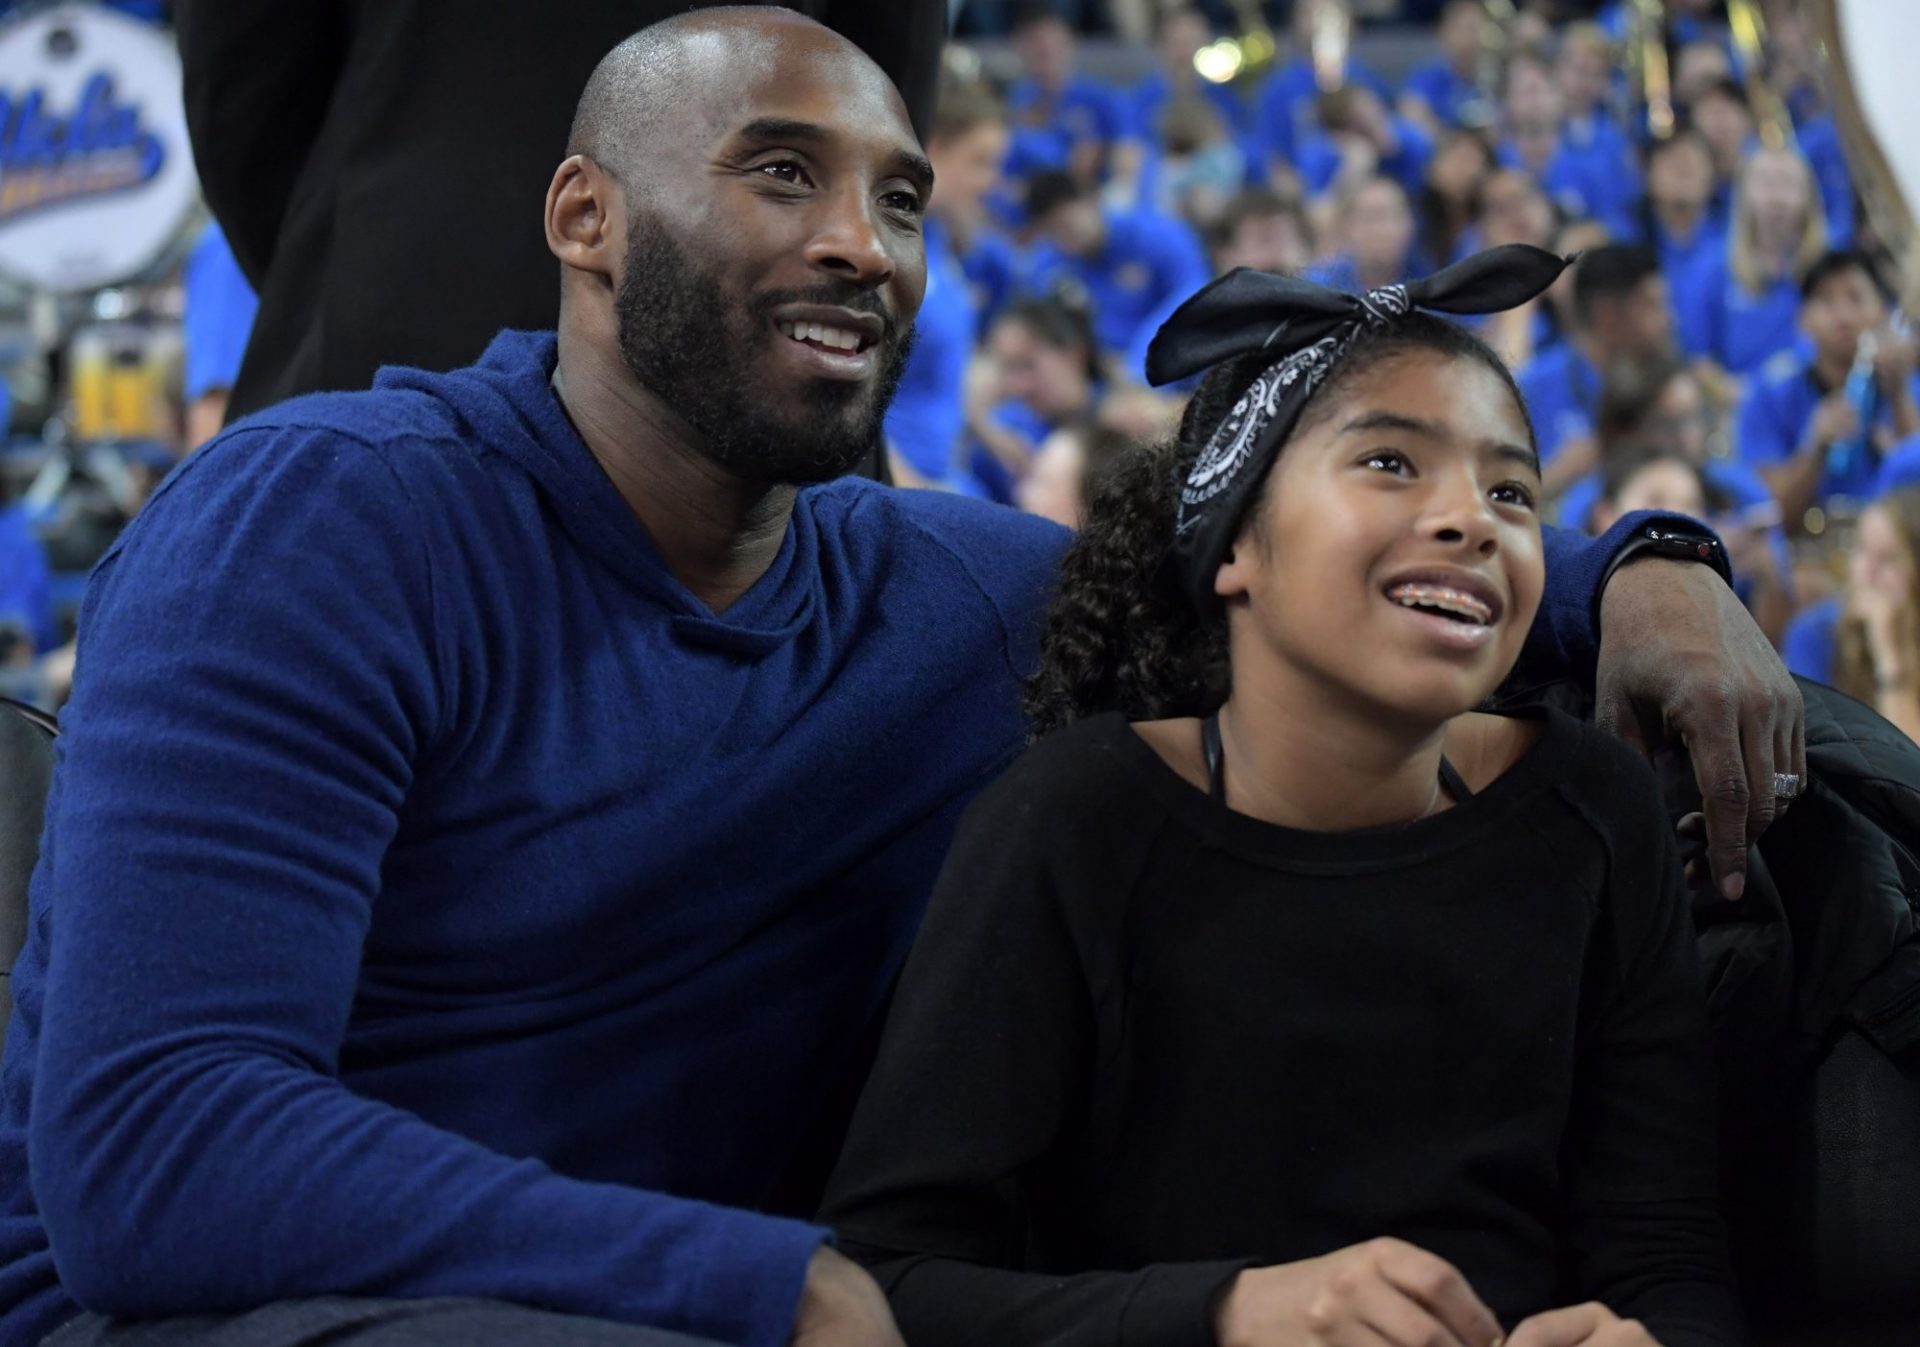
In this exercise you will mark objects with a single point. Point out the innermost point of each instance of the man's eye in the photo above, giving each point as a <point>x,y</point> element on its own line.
<point>786,170</point>
<point>903,201</point>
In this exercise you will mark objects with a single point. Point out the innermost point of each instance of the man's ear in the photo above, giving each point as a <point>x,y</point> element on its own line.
<point>586,217</point>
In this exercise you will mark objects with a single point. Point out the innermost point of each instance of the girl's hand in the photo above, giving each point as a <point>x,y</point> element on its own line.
<point>1384,1293</point>
<point>1589,1325</point>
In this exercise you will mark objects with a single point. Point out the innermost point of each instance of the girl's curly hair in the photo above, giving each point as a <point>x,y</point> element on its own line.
<point>1118,636</point>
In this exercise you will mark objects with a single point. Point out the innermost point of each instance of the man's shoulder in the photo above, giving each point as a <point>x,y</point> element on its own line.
<point>975,531</point>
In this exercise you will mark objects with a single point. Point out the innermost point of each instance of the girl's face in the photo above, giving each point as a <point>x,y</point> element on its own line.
<point>1050,379</point>
<point>1778,194</point>
<point>1881,562</point>
<point>966,167</point>
<point>1394,559</point>
<point>1513,210</point>
<point>1682,417</point>
<point>1458,166</point>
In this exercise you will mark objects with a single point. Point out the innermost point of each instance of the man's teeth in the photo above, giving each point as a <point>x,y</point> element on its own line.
<point>1453,601</point>
<point>837,338</point>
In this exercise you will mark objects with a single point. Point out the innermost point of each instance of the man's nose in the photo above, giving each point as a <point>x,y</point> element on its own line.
<point>847,241</point>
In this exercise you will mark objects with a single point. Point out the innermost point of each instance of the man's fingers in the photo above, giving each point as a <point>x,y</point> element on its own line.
<point>1560,1328</point>
<point>1761,754</point>
<point>1402,1321</point>
<point>1437,1286</point>
<point>1713,742</point>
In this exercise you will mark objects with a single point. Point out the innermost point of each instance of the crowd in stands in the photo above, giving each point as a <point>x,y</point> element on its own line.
<point>1728,343</point>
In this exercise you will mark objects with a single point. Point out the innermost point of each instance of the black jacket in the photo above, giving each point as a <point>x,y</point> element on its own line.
<point>379,165</point>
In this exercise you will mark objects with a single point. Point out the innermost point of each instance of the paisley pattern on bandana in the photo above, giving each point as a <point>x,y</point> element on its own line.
<point>1232,444</point>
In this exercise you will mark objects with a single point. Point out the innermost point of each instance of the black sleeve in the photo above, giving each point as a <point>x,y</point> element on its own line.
<point>986,1057</point>
<point>1643,1227</point>
<point>257,78</point>
<point>904,38</point>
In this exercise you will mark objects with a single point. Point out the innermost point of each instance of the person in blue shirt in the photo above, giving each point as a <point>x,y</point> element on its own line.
<point>1739,306</point>
<point>1865,640</point>
<point>1043,372</point>
<point>216,319</point>
<point>1374,228</point>
<point>1286,110</point>
<point>1450,195</point>
<point>1590,136</point>
<point>1062,121</point>
<point>925,424</point>
<point>1179,32</point>
<point>1581,183</point>
<point>1722,114</point>
<point>1620,314</point>
<point>1679,196</point>
<point>1356,133</point>
<point>26,589</point>
<point>1446,92</point>
<point>1819,140</point>
<point>494,806</point>
<point>1798,414</point>
<point>1122,265</point>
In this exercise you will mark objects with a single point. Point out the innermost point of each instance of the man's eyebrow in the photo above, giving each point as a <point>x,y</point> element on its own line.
<point>1433,430</point>
<point>773,129</point>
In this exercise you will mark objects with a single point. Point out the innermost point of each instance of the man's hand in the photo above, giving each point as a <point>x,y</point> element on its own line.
<point>1384,1293</point>
<point>1589,1325</point>
<point>1680,660</point>
<point>841,1306</point>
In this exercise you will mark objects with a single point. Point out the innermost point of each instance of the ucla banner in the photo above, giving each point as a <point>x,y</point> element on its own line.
<point>95,173</point>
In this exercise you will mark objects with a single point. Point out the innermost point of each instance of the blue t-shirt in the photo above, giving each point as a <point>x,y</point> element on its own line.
<point>217,317</point>
<point>1819,141</point>
<point>1047,129</point>
<point>1562,392</point>
<point>1147,259</point>
<point>1584,183</point>
<point>1810,640</point>
<point>1455,100</point>
<point>437,898</point>
<point>1339,272</point>
<point>995,271</point>
<point>1317,158</point>
<point>1286,109</point>
<point>1603,161</point>
<point>1776,411</point>
<point>1717,318</point>
<point>925,422</point>
<point>1680,257</point>
<point>1900,467</point>
<point>26,581</point>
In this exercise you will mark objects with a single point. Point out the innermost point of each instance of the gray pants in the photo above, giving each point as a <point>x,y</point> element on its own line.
<point>336,1320</point>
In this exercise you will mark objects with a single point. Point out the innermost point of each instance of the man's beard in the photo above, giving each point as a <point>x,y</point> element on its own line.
<point>708,362</point>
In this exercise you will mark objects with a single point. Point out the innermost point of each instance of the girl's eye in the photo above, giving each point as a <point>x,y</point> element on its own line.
<point>1514,493</point>
<point>1388,460</point>
<point>786,170</point>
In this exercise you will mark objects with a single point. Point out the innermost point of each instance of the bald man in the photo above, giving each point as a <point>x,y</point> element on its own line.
<point>495,805</point>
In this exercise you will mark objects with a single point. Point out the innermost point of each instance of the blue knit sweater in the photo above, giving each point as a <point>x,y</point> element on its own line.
<point>437,899</point>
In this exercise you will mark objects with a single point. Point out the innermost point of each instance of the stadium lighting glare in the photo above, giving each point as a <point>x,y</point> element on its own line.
<point>1218,62</point>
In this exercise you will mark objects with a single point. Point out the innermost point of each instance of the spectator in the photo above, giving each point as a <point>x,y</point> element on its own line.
<point>1123,265</point>
<point>1724,119</point>
<point>1800,426</point>
<point>1583,68</point>
<point>1179,32</point>
<point>1620,313</point>
<point>1200,165</point>
<point>1450,195</point>
<point>1740,305</point>
<point>1055,488</point>
<point>924,426</point>
<point>1445,92</point>
<point>1288,106</point>
<point>1680,223</point>
<point>1649,479</point>
<point>1866,641</point>
<point>1698,67</point>
<point>1374,226</point>
<point>1513,209</point>
<point>1264,230</point>
<point>1578,182</point>
<point>27,624</point>
<point>1357,135</point>
<point>216,319</point>
<point>1043,372</point>
<point>1062,121</point>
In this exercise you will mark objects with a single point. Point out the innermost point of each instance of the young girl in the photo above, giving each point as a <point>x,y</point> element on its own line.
<point>1273,998</point>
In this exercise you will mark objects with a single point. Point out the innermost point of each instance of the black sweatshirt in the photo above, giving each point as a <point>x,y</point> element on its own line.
<point>1144,1041</point>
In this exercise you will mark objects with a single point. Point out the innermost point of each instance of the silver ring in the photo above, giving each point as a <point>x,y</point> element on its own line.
<point>1786,785</point>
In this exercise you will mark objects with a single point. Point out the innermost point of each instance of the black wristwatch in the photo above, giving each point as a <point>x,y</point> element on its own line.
<point>1660,538</point>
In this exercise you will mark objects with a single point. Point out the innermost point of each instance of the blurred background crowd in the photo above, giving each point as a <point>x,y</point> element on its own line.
<point>1727,346</point>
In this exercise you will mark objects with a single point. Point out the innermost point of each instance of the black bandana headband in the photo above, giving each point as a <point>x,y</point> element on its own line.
<point>1308,328</point>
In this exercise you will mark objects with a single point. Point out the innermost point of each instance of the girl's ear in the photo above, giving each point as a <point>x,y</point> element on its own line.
<point>1234,576</point>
